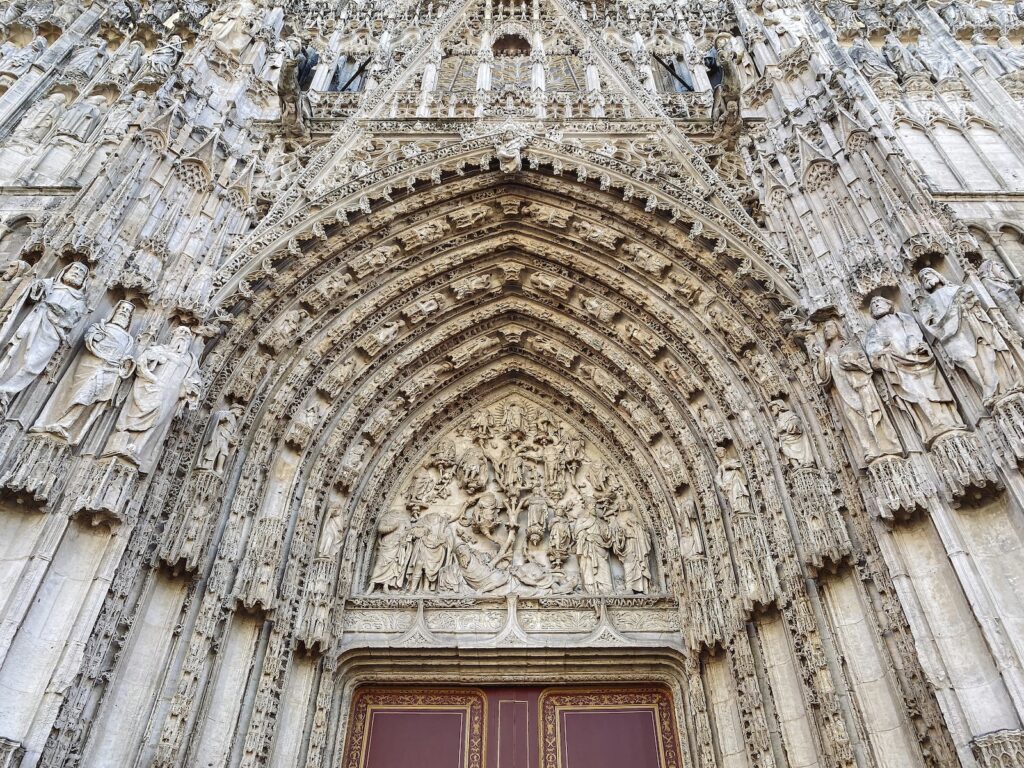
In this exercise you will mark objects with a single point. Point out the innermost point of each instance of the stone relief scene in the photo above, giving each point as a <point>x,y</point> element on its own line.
<point>514,500</point>
<point>366,355</point>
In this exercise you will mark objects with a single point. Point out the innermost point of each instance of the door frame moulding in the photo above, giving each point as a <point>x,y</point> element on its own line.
<point>530,666</point>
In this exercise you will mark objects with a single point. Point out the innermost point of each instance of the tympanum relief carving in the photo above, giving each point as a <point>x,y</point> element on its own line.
<point>514,500</point>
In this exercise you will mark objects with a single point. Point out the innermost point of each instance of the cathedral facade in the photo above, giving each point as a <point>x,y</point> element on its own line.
<point>512,383</point>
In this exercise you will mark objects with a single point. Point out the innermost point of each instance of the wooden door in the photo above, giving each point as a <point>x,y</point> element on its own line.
<point>504,727</point>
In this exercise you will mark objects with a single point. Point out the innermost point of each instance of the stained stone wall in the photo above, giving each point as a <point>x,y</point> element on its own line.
<point>536,342</point>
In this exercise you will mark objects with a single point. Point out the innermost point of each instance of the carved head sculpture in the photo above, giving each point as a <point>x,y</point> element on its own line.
<point>15,269</point>
<point>74,274</point>
<point>181,339</point>
<point>930,279</point>
<point>121,315</point>
<point>880,307</point>
<point>991,269</point>
<point>832,330</point>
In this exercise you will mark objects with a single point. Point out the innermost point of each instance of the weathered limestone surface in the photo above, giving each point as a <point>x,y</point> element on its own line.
<point>482,341</point>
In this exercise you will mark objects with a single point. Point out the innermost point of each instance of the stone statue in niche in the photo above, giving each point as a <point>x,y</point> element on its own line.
<point>1004,290</point>
<point>60,304</point>
<point>732,480</point>
<point>786,24</point>
<point>295,108</point>
<point>793,440</point>
<point>953,316</point>
<point>233,27</point>
<point>162,60</point>
<point>221,436</point>
<point>900,58</point>
<point>39,119</point>
<point>94,379</point>
<point>514,500</point>
<point>897,349</point>
<point>81,118</point>
<point>870,61</point>
<point>845,368</point>
<point>166,379</point>
<point>330,535</point>
<point>728,90</point>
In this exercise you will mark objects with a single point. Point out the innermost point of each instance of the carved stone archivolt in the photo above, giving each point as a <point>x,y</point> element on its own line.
<point>673,342</point>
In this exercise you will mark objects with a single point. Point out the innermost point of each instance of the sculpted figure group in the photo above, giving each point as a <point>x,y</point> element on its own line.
<point>901,350</point>
<point>39,319</point>
<point>516,502</point>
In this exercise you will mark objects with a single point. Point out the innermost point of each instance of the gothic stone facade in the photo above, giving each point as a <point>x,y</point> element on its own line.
<point>535,341</point>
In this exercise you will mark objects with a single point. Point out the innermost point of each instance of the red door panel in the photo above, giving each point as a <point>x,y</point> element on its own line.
<point>498,727</point>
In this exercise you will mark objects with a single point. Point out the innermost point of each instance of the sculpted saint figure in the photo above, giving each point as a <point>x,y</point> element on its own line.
<point>92,383</point>
<point>162,60</point>
<point>732,479</point>
<point>846,369</point>
<point>793,441</point>
<point>39,119</point>
<point>728,90</point>
<point>234,27</point>
<point>330,536</point>
<point>393,551</point>
<point>897,349</point>
<point>221,437</point>
<point>432,565</point>
<point>60,304</point>
<point>953,316</point>
<point>633,548</point>
<point>1004,291</point>
<point>785,23</point>
<point>593,539</point>
<point>478,574</point>
<point>166,378</point>
<point>870,61</point>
